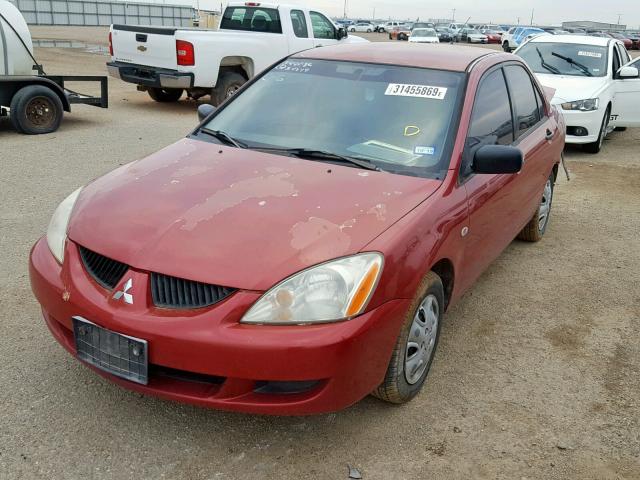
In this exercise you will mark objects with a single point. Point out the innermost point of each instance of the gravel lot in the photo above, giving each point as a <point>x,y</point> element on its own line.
<point>537,375</point>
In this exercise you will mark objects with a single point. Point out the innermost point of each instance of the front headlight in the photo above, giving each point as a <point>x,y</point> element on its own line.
<point>587,105</point>
<point>57,230</point>
<point>329,292</point>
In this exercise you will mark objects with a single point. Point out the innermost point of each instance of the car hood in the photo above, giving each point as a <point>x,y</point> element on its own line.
<point>570,88</point>
<point>234,217</point>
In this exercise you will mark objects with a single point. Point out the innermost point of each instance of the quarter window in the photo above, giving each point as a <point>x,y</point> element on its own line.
<point>524,99</point>
<point>491,121</point>
<point>322,26</point>
<point>299,24</point>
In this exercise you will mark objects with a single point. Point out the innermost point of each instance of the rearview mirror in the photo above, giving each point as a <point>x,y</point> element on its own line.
<point>628,72</point>
<point>205,110</point>
<point>496,159</point>
<point>342,33</point>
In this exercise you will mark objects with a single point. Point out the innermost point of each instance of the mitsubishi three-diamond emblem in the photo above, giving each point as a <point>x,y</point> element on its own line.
<point>128,298</point>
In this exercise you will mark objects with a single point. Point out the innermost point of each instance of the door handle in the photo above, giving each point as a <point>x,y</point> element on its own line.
<point>549,135</point>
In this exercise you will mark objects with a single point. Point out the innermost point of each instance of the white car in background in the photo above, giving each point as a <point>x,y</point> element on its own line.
<point>362,27</point>
<point>424,35</point>
<point>597,86</point>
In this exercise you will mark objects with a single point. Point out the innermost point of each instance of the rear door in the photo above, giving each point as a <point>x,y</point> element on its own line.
<point>626,103</point>
<point>149,46</point>
<point>301,39</point>
<point>324,32</point>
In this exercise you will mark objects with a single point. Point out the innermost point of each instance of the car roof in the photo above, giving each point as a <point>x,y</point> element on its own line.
<point>577,39</point>
<point>456,58</point>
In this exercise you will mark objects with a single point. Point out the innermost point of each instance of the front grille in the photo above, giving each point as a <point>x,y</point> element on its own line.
<point>172,292</point>
<point>105,271</point>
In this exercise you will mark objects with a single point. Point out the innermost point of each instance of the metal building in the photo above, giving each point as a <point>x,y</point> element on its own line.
<point>103,12</point>
<point>600,26</point>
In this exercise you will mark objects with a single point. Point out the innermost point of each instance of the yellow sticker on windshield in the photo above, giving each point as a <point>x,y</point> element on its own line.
<point>411,131</point>
<point>420,91</point>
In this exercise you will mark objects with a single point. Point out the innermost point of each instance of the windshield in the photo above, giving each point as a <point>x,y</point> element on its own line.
<point>547,57</point>
<point>423,32</point>
<point>398,118</point>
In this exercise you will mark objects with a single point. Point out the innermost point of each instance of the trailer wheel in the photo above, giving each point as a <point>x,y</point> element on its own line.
<point>165,95</point>
<point>228,84</point>
<point>36,109</point>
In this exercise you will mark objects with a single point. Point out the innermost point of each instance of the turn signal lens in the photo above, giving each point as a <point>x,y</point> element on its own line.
<point>364,291</point>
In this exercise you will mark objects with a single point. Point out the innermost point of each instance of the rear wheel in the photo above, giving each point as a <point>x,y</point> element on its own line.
<point>165,95</point>
<point>416,345</point>
<point>596,146</point>
<point>505,47</point>
<point>537,226</point>
<point>228,84</point>
<point>36,109</point>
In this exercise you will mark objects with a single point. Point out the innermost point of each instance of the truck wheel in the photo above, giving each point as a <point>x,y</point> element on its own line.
<point>534,230</point>
<point>36,109</point>
<point>505,47</point>
<point>416,345</point>
<point>228,84</point>
<point>165,95</point>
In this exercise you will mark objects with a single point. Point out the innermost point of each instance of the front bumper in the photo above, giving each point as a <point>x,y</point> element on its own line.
<point>591,121</point>
<point>150,76</point>
<point>214,360</point>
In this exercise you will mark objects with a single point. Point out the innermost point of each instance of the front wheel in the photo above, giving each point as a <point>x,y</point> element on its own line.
<point>165,95</point>
<point>416,345</point>
<point>537,226</point>
<point>353,30</point>
<point>596,146</point>
<point>505,47</point>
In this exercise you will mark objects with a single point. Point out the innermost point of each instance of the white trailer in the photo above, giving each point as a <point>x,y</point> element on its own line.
<point>35,101</point>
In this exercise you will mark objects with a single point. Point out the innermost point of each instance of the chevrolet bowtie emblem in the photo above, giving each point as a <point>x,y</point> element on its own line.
<point>142,48</point>
<point>128,298</point>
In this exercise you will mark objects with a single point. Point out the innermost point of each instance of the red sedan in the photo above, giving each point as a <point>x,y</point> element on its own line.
<point>297,251</point>
<point>493,36</point>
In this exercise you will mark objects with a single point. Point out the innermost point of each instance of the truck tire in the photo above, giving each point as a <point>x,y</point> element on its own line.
<point>36,109</point>
<point>416,344</point>
<point>165,95</point>
<point>228,84</point>
<point>505,47</point>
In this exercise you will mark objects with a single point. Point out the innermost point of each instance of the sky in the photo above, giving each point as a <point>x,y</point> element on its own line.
<point>547,12</point>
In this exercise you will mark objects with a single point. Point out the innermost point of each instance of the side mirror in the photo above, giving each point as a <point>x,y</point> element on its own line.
<point>628,72</point>
<point>205,110</point>
<point>342,33</point>
<point>496,159</point>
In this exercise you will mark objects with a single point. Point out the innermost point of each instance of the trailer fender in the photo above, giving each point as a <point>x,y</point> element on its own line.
<point>10,84</point>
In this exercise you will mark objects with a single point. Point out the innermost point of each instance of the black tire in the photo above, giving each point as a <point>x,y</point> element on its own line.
<point>505,47</point>
<point>621,129</point>
<point>535,229</point>
<point>468,40</point>
<point>368,30</point>
<point>390,37</point>
<point>353,30</point>
<point>595,147</point>
<point>35,110</point>
<point>165,95</point>
<point>228,84</point>
<point>395,387</point>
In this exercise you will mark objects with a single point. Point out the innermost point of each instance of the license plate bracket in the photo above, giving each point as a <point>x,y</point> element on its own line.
<point>115,353</point>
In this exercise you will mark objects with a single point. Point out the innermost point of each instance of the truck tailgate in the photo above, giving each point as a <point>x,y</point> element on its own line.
<point>151,46</point>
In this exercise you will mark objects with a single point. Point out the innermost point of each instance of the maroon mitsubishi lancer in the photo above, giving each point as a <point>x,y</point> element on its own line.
<point>297,251</point>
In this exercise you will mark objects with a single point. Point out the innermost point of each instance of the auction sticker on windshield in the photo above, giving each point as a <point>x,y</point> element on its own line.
<point>420,91</point>
<point>590,54</point>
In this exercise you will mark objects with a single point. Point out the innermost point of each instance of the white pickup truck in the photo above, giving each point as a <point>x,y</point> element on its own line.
<point>166,61</point>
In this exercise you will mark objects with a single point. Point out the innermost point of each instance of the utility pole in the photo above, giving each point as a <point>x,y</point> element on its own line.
<point>532,10</point>
<point>344,13</point>
<point>374,13</point>
<point>453,15</point>
<point>619,16</point>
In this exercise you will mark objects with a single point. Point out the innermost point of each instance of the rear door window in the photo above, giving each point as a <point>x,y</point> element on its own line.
<point>251,19</point>
<point>299,23</point>
<point>491,121</point>
<point>524,98</point>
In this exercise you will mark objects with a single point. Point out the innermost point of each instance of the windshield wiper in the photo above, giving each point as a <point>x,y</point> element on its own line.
<point>225,137</point>
<point>321,154</point>
<point>545,65</point>
<point>571,61</point>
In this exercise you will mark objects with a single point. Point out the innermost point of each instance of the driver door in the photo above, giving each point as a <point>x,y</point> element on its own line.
<point>324,32</point>
<point>626,102</point>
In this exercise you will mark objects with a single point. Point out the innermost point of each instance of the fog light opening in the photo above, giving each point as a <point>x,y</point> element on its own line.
<point>285,388</point>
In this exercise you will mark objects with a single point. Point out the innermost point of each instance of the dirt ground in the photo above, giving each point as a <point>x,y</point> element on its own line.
<point>537,374</point>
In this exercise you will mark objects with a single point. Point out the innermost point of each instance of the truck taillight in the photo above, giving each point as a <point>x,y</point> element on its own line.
<point>110,45</point>
<point>185,53</point>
